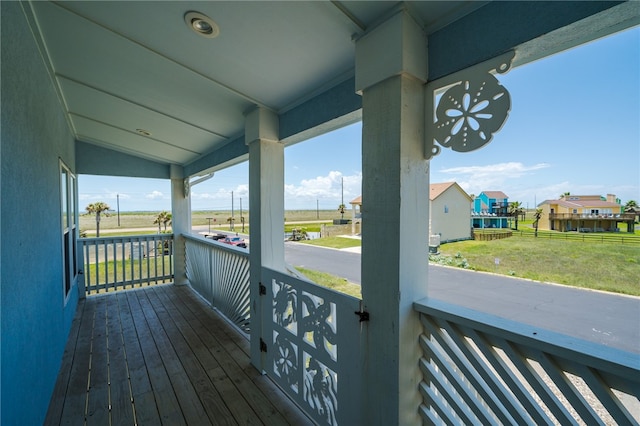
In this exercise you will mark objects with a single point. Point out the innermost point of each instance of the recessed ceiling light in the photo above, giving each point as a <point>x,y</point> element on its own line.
<point>143,132</point>
<point>202,24</point>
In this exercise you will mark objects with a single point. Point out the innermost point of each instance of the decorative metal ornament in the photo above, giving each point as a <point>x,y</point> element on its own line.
<point>187,187</point>
<point>471,110</point>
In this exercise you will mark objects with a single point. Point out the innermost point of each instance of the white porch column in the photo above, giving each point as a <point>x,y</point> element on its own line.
<point>266,220</point>
<point>391,69</point>
<point>180,223</point>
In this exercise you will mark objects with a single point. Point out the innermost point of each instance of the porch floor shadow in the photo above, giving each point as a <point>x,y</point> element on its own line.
<point>161,355</point>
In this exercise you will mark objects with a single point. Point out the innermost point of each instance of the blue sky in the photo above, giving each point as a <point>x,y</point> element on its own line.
<point>574,126</point>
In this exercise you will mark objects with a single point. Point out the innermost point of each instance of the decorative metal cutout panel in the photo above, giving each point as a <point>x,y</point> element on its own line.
<point>308,354</point>
<point>473,107</point>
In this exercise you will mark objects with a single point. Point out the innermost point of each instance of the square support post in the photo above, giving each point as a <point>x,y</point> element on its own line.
<point>266,221</point>
<point>180,223</point>
<point>390,74</point>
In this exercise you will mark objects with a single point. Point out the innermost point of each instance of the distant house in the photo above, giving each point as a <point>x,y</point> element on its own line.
<point>490,210</point>
<point>584,213</point>
<point>449,211</point>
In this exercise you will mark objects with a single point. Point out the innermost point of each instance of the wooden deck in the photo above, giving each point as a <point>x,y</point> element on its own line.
<point>160,355</point>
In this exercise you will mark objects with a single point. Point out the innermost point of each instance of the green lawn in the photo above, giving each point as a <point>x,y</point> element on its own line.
<point>590,264</point>
<point>332,282</point>
<point>334,242</point>
<point>127,270</point>
<point>609,267</point>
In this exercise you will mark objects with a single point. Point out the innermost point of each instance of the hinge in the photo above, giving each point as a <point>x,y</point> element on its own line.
<point>263,290</point>
<point>364,315</point>
<point>263,346</point>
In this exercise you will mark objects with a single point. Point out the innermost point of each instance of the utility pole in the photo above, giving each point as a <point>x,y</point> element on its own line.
<point>317,209</point>
<point>231,227</point>
<point>118,205</point>
<point>241,217</point>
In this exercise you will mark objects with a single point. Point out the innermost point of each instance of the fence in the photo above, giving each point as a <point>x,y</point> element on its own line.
<point>117,263</point>
<point>613,238</point>
<point>481,369</point>
<point>220,274</point>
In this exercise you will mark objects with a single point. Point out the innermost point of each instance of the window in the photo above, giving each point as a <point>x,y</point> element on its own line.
<point>69,226</point>
<point>446,209</point>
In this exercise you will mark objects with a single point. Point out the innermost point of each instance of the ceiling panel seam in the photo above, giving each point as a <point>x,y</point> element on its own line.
<point>134,133</point>
<point>97,89</point>
<point>160,55</point>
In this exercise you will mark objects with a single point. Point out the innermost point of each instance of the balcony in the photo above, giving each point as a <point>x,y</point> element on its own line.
<point>161,354</point>
<point>617,217</point>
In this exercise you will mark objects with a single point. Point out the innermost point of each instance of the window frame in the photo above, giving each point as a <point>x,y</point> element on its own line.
<point>69,229</point>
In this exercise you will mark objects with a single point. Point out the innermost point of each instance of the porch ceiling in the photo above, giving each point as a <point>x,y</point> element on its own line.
<point>124,66</point>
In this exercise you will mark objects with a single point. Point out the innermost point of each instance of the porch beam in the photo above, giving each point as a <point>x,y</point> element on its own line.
<point>266,221</point>
<point>391,71</point>
<point>180,223</point>
<point>536,29</point>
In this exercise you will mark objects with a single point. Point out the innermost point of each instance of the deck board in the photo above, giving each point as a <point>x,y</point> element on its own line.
<point>160,355</point>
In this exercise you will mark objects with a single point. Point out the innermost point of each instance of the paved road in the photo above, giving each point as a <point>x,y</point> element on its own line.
<point>604,318</point>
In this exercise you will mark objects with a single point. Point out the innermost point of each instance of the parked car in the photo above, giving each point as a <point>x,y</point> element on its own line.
<point>234,241</point>
<point>216,237</point>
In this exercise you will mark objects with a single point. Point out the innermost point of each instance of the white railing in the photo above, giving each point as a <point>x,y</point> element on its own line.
<point>314,349</point>
<point>220,274</point>
<point>481,369</point>
<point>118,263</point>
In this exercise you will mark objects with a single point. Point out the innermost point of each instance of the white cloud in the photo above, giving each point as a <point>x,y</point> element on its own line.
<point>492,177</point>
<point>155,195</point>
<point>240,191</point>
<point>326,188</point>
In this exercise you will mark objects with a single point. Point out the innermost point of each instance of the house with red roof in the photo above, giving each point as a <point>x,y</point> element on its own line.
<point>584,213</point>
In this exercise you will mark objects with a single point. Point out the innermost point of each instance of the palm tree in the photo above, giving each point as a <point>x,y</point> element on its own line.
<point>537,215</point>
<point>166,220</point>
<point>162,218</point>
<point>631,205</point>
<point>98,207</point>
<point>515,210</point>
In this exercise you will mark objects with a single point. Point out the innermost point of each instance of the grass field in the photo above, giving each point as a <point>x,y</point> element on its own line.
<point>218,219</point>
<point>609,267</point>
<point>334,242</point>
<point>332,282</point>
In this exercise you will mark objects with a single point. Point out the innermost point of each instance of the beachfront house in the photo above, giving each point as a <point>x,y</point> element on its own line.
<point>179,90</point>
<point>584,213</point>
<point>490,210</point>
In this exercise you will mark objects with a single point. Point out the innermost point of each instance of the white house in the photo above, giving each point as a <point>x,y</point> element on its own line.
<point>450,212</point>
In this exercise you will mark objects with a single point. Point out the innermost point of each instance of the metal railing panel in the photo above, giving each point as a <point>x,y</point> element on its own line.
<point>479,368</point>
<point>220,274</point>
<point>123,262</point>
<point>314,347</point>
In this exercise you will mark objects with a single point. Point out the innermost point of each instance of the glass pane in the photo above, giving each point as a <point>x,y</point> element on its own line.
<point>72,199</point>
<point>63,201</point>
